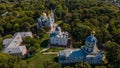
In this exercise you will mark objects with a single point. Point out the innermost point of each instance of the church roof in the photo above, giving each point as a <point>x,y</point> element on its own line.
<point>12,50</point>
<point>18,49</point>
<point>91,39</point>
<point>14,43</point>
<point>57,29</point>
<point>78,53</point>
<point>53,34</point>
<point>72,53</point>
<point>66,52</point>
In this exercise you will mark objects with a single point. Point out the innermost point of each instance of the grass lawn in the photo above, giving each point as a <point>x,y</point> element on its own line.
<point>39,59</point>
<point>55,49</point>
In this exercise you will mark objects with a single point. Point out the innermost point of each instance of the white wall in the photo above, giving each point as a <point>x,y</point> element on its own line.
<point>58,41</point>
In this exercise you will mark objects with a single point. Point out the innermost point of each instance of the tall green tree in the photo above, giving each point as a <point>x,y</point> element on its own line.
<point>50,64</point>
<point>113,54</point>
<point>82,65</point>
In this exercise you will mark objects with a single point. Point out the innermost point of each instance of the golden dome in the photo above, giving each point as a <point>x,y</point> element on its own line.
<point>44,14</point>
<point>93,32</point>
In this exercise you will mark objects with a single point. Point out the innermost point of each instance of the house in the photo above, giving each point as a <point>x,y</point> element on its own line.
<point>88,53</point>
<point>14,45</point>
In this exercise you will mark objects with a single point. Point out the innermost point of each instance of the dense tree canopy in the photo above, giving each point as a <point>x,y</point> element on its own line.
<point>78,17</point>
<point>113,54</point>
<point>83,65</point>
<point>8,61</point>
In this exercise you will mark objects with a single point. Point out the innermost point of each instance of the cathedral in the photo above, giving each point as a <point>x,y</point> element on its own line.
<point>44,20</point>
<point>57,37</point>
<point>88,53</point>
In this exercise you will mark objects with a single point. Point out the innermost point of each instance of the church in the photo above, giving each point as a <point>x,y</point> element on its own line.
<point>59,38</point>
<point>88,53</point>
<point>45,21</point>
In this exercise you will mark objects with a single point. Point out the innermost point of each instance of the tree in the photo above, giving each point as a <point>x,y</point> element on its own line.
<point>116,35</point>
<point>80,32</point>
<point>27,41</point>
<point>65,26</point>
<point>7,36</point>
<point>50,64</point>
<point>103,35</point>
<point>1,29</point>
<point>16,27</point>
<point>8,61</point>
<point>33,50</point>
<point>26,26</point>
<point>100,67</point>
<point>40,33</point>
<point>2,7</point>
<point>82,65</point>
<point>113,54</point>
<point>67,67</point>
<point>1,40</point>
<point>36,15</point>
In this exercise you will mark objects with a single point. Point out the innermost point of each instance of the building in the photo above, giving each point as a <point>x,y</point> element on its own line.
<point>45,21</point>
<point>88,53</point>
<point>59,38</point>
<point>14,45</point>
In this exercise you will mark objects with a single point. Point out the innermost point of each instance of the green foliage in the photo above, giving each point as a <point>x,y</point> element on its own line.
<point>7,36</point>
<point>93,14</point>
<point>27,40</point>
<point>65,26</point>
<point>1,40</point>
<point>113,54</point>
<point>67,67</point>
<point>100,67</point>
<point>16,27</point>
<point>103,35</point>
<point>80,32</point>
<point>78,17</point>
<point>1,29</point>
<point>32,44</point>
<point>8,61</point>
<point>2,7</point>
<point>33,50</point>
<point>83,65</point>
<point>50,64</point>
<point>44,43</point>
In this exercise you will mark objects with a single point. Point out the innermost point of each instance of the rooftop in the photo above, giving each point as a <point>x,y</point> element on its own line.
<point>12,45</point>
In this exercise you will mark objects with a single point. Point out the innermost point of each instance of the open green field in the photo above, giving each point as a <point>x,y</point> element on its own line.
<point>38,60</point>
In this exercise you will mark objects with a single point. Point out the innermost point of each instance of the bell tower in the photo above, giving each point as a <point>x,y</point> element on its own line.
<point>51,20</point>
<point>90,44</point>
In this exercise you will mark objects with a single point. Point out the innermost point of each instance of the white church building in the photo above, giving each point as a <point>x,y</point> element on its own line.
<point>88,53</point>
<point>59,38</point>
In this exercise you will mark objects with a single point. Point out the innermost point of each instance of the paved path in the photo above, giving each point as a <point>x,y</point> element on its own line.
<point>43,50</point>
<point>50,53</point>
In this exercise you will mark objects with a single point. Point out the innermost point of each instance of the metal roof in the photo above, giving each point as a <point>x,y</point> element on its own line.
<point>91,39</point>
<point>14,43</point>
